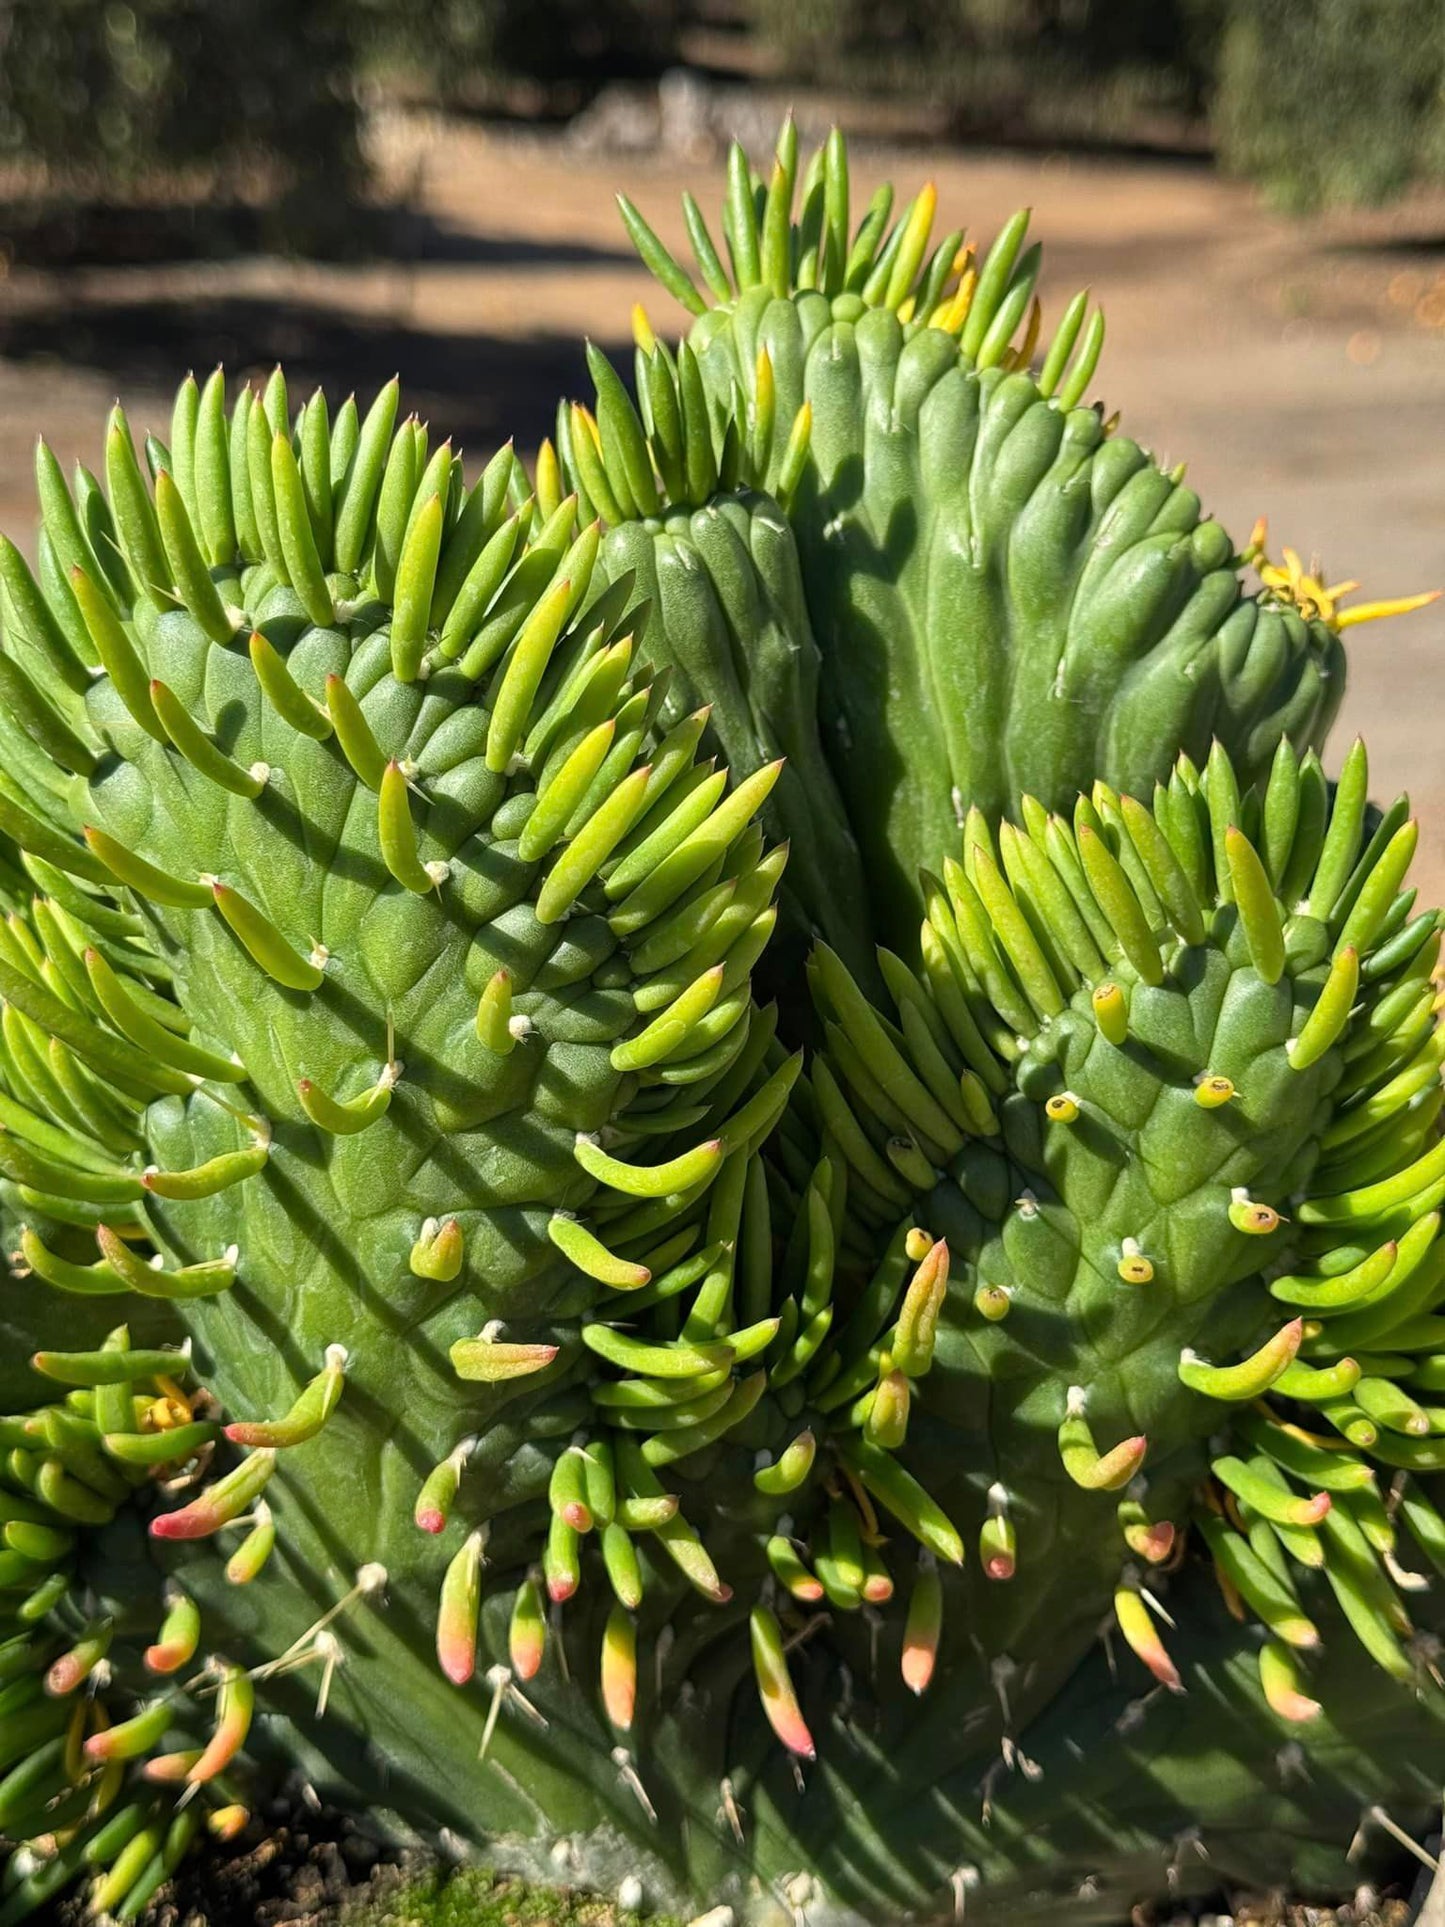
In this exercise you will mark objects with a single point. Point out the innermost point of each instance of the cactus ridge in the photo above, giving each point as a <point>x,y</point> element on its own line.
<point>538,1309</point>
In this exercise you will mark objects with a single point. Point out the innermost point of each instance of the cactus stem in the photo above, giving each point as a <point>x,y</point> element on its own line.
<point>1111,1013</point>
<point>1145,1538</point>
<point>1281,1681</point>
<point>1142,1636</point>
<point>459,1610</point>
<point>70,1672</point>
<point>205,1180</point>
<point>486,1360</point>
<point>439,1251</point>
<point>179,1633</point>
<point>1124,960</point>
<point>924,1626</point>
<point>775,1685</point>
<point>619,1668</point>
<point>315,1404</point>
<point>439,1488</point>
<point>791,1468</point>
<point>494,1010</point>
<point>1252,1375</point>
<point>917,1326</point>
<point>1084,1463</point>
<point>346,1117</point>
<point>220,1503</point>
<point>527,1633</point>
<point>591,1256</point>
<point>251,1555</point>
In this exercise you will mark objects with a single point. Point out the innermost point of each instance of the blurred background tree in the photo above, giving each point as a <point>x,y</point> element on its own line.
<point>259,100</point>
<point>215,97</point>
<point>462,51</point>
<point>1332,102</point>
<point>1059,68</point>
<point>259,103</point>
<point>1320,102</point>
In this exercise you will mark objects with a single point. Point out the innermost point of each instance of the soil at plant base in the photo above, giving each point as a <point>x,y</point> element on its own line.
<point>1299,368</point>
<point>300,1868</point>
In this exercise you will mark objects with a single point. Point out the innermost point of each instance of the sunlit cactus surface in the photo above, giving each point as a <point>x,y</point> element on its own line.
<point>720,1163</point>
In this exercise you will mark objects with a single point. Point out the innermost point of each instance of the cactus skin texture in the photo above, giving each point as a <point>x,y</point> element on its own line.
<point>485,1361</point>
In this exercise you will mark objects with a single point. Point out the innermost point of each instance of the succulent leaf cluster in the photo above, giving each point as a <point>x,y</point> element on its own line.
<point>667,1124</point>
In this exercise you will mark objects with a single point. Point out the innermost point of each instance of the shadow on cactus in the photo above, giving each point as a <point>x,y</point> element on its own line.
<point>492,1376</point>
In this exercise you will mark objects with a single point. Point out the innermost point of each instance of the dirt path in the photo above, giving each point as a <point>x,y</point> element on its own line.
<point>1301,373</point>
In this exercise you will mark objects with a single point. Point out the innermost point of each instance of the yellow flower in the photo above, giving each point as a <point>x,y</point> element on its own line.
<point>1289,584</point>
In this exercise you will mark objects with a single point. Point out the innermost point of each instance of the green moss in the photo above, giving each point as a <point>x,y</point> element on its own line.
<point>472,1898</point>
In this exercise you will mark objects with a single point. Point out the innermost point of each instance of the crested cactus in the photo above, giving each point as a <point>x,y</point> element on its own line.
<point>668,1125</point>
<point>1008,597</point>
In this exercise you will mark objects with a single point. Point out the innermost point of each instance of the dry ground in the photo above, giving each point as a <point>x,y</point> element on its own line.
<point>1301,371</point>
